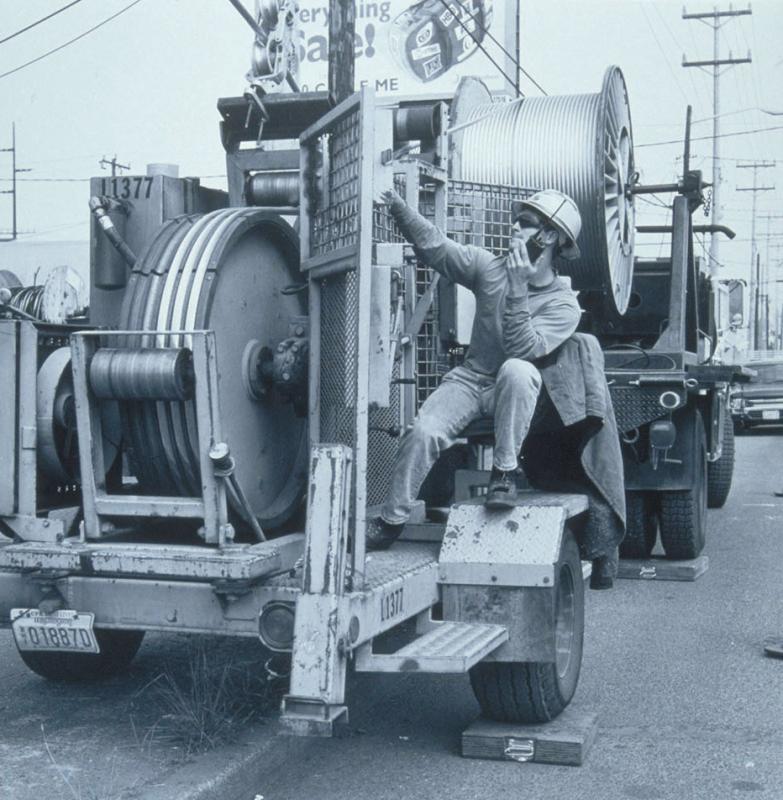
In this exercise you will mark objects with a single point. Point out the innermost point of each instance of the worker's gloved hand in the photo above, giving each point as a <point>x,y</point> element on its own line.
<point>388,197</point>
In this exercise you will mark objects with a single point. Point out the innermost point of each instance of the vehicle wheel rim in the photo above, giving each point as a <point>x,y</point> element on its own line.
<point>565,620</point>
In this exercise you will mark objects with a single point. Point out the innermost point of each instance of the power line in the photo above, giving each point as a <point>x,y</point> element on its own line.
<point>507,54</point>
<point>663,52</point>
<point>70,41</point>
<point>39,21</point>
<point>707,138</point>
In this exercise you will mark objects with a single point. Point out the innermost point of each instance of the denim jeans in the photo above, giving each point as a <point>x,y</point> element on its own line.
<point>463,395</point>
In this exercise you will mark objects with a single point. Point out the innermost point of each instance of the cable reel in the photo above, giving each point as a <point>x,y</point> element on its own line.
<point>224,271</point>
<point>581,145</point>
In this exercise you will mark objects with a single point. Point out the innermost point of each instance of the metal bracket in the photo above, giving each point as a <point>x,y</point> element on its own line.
<point>98,504</point>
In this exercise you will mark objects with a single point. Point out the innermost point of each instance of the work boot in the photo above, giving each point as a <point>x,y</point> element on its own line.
<point>501,490</point>
<point>604,571</point>
<point>381,535</point>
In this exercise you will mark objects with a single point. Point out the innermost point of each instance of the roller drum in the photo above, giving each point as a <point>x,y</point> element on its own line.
<point>273,189</point>
<point>142,374</point>
<point>581,145</point>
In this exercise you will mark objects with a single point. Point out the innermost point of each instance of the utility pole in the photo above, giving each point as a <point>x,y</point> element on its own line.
<point>772,301</point>
<point>115,165</point>
<point>713,19</point>
<point>12,191</point>
<point>342,26</point>
<point>755,256</point>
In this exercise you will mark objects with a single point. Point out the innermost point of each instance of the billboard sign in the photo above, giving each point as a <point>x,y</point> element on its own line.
<point>419,48</point>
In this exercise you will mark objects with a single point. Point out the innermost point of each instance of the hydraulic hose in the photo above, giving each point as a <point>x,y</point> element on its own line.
<point>100,210</point>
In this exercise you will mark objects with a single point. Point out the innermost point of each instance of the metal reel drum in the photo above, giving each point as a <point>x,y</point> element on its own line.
<point>581,145</point>
<point>225,272</point>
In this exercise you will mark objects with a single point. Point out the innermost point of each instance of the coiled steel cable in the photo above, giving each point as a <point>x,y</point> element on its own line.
<point>581,145</point>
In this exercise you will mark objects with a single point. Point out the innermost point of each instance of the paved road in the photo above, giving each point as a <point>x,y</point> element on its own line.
<point>688,705</point>
<point>689,708</point>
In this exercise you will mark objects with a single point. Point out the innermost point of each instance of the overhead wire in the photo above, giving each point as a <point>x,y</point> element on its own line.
<point>707,138</point>
<point>38,22</point>
<point>70,41</point>
<point>680,48</point>
<point>663,52</point>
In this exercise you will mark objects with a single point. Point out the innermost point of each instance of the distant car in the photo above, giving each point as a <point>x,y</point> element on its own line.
<point>759,402</point>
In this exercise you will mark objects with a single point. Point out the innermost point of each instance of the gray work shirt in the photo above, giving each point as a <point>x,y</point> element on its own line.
<point>525,322</point>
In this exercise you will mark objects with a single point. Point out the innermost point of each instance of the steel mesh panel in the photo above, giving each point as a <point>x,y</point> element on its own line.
<point>480,214</point>
<point>335,223</point>
<point>431,363</point>
<point>339,340</point>
<point>635,406</point>
<point>382,447</point>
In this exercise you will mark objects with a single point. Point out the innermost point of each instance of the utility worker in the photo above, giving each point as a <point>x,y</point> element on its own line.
<point>524,311</point>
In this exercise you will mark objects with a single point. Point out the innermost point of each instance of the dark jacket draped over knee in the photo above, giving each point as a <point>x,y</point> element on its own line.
<point>581,451</point>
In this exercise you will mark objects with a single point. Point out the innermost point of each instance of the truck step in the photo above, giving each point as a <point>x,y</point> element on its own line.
<point>448,647</point>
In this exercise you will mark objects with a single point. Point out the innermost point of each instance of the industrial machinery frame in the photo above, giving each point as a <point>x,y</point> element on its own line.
<point>374,354</point>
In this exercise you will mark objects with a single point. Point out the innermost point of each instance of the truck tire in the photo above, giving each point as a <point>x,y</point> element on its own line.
<point>683,514</point>
<point>720,472</point>
<point>641,525</point>
<point>118,649</point>
<point>535,692</point>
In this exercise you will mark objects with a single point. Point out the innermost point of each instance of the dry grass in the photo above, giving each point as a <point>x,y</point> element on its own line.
<point>207,698</point>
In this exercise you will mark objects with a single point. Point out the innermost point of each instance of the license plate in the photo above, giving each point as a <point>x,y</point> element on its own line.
<point>62,631</point>
<point>770,414</point>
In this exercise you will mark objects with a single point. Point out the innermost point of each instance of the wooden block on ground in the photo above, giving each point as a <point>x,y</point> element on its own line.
<point>661,569</point>
<point>564,741</point>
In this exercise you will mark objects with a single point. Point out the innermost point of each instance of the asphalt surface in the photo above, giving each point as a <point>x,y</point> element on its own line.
<point>688,705</point>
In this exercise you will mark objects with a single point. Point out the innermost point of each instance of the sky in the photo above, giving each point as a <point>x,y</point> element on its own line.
<point>144,87</point>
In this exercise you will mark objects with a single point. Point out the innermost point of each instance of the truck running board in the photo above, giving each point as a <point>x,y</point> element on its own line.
<point>448,647</point>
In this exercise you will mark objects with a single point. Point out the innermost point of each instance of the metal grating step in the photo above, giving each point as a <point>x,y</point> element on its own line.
<point>449,647</point>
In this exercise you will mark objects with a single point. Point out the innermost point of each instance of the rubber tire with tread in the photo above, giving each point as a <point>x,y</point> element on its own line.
<point>721,472</point>
<point>683,513</point>
<point>532,692</point>
<point>641,525</point>
<point>118,648</point>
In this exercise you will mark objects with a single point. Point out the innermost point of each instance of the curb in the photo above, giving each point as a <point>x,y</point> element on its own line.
<point>238,771</point>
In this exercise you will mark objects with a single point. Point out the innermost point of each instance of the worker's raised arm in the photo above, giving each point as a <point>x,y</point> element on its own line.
<point>456,262</point>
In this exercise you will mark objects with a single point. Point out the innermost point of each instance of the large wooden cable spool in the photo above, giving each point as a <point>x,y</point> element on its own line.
<point>223,271</point>
<point>579,144</point>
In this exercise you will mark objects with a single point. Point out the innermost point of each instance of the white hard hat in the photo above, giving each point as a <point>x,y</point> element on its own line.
<point>561,212</point>
<point>736,319</point>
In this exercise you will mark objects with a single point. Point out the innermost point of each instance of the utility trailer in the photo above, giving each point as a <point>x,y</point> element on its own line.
<point>261,378</point>
<point>258,377</point>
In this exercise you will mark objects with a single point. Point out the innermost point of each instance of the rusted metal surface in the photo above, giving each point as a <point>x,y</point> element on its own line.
<point>510,548</point>
<point>319,664</point>
<point>233,563</point>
